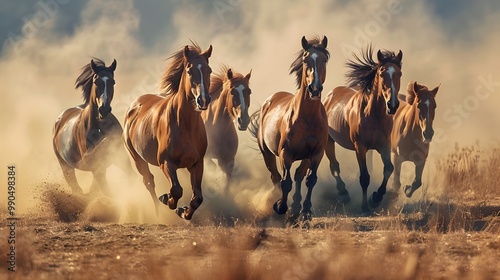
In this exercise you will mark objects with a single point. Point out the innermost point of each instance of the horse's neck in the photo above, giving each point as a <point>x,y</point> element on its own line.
<point>220,104</point>
<point>183,104</point>
<point>88,129</point>
<point>376,103</point>
<point>411,119</point>
<point>302,104</point>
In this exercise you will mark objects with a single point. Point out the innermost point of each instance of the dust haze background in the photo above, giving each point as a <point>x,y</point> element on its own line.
<point>46,42</point>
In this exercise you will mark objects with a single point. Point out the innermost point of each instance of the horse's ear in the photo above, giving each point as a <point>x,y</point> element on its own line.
<point>399,57</point>
<point>207,53</point>
<point>247,77</point>
<point>411,92</point>
<point>186,52</point>
<point>305,43</point>
<point>435,90</point>
<point>324,42</point>
<point>380,56</point>
<point>229,73</point>
<point>112,67</point>
<point>93,66</point>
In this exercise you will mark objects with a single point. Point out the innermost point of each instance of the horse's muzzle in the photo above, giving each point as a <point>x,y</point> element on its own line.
<point>427,135</point>
<point>104,111</point>
<point>391,110</point>
<point>203,103</point>
<point>315,91</point>
<point>243,123</point>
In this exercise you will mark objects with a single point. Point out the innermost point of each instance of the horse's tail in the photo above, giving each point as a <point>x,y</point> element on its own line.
<point>253,128</point>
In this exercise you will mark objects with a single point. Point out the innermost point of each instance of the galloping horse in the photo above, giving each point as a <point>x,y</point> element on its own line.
<point>294,127</point>
<point>230,95</point>
<point>167,131</point>
<point>86,137</point>
<point>359,117</point>
<point>412,133</point>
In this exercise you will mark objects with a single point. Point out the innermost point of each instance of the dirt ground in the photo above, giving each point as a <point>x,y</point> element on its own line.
<point>412,241</point>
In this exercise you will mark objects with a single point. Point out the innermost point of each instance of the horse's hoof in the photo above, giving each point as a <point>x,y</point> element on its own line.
<point>408,190</point>
<point>344,198</point>
<point>279,208</point>
<point>292,221</point>
<point>181,212</point>
<point>306,216</point>
<point>367,213</point>
<point>163,199</point>
<point>375,200</point>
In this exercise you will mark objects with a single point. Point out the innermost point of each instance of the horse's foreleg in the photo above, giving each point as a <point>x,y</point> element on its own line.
<point>296,206</point>
<point>364,178</point>
<point>280,206</point>
<point>343,194</point>
<point>417,182</point>
<point>311,180</point>
<point>175,194</point>
<point>196,173</point>
<point>396,178</point>
<point>227,166</point>
<point>376,197</point>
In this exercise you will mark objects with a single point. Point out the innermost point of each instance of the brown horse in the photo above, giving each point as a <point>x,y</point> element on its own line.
<point>359,118</point>
<point>167,131</point>
<point>412,133</point>
<point>294,127</point>
<point>86,137</point>
<point>230,95</point>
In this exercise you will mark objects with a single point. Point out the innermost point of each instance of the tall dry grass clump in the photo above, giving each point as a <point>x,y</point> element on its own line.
<point>471,173</point>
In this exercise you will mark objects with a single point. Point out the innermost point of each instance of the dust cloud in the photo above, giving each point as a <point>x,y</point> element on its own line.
<point>38,72</point>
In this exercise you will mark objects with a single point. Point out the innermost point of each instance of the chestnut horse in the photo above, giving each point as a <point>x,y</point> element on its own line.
<point>412,133</point>
<point>167,131</point>
<point>359,117</point>
<point>230,95</point>
<point>294,127</point>
<point>86,137</point>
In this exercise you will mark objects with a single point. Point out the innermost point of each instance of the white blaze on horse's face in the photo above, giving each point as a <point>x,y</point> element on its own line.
<point>103,104</point>
<point>315,84</point>
<point>240,89</point>
<point>200,93</point>
<point>391,71</point>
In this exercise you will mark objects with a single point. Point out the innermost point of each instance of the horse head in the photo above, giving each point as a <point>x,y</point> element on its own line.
<point>239,97</point>
<point>426,105</point>
<point>389,76</point>
<point>103,81</point>
<point>314,59</point>
<point>198,75</point>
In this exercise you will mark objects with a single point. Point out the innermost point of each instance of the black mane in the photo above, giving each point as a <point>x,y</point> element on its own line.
<point>362,69</point>
<point>84,81</point>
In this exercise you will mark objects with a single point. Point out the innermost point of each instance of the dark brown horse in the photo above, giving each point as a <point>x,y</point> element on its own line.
<point>412,133</point>
<point>230,95</point>
<point>167,131</point>
<point>88,137</point>
<point>294,127</point>
<point>359,118</point>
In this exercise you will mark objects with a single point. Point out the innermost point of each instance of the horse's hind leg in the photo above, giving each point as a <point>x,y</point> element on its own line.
<point>397,160</point>
<point>196,173</point>
<point>376,197</point>
<point>147,176</point>
<point>280,206</point>
<point>100,179</point>
<point>70,177</point>
<point>270,161</point>
<point>343,194</point>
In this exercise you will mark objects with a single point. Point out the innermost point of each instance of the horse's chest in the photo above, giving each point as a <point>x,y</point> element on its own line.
<point>302,138</point>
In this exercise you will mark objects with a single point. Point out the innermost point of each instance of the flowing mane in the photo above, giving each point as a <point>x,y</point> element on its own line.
<point>84,81</point>
<point>217,81</point>
<point>362,69</point>
<point>296,66</point>
<point>170,82</point>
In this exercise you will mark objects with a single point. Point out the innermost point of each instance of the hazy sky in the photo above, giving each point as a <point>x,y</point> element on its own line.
<point>46,42</point>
